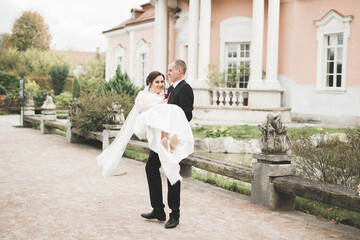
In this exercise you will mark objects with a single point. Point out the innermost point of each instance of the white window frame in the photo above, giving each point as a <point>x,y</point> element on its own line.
<point>143,49</point>
<point>120,53</point>
<point>238,59</point>
<point>233,30</point>
<point>331,24</point>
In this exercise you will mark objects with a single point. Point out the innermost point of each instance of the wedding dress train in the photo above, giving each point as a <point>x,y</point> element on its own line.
<point>147,119</point>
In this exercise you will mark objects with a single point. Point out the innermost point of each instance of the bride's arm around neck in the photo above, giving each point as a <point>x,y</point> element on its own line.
<point>146,100</point>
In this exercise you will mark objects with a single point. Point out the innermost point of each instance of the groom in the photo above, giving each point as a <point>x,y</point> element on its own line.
<point>179,93</point>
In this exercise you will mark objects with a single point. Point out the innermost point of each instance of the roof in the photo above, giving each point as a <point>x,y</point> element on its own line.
<point>144,15</point>
<point>79,58</point>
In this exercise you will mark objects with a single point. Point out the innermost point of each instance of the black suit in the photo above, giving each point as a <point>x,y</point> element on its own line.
<point>183,96</point>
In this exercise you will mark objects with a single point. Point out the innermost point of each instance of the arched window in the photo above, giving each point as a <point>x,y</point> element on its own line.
<point>332,37</point>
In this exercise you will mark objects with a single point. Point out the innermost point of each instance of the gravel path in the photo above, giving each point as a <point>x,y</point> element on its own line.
<point>51,189</point>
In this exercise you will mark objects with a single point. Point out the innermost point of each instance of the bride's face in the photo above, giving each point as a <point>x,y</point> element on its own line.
<point>157,86</point>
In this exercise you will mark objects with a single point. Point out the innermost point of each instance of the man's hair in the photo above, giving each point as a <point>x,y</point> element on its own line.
<point>180,64</point>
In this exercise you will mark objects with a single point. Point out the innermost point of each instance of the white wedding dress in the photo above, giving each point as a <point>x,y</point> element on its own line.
<point>147,119</point>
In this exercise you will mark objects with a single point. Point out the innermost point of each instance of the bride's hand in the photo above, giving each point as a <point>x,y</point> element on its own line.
<point>164,101</point>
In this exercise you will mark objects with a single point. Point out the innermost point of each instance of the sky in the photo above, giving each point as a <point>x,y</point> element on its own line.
<point>74,24</point>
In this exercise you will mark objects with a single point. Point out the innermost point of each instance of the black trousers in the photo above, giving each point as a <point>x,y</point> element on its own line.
<point>155,187</point>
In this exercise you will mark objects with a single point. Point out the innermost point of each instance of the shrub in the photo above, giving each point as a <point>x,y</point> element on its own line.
<point>9,81</point>
<point>3,90</point>
<point>218,132</point>
<point>92,112</point>
<point>120,84</point>
<point>63,99</point>
<point>75,89</point>
<point>58,75</point>
<point>328,158</point>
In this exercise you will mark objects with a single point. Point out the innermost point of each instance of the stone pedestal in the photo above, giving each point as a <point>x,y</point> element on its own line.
<point>47,115</point>
<point>29,111</point>
<point>264,170</point>
<point>71,137</point>
<point>110,131</point>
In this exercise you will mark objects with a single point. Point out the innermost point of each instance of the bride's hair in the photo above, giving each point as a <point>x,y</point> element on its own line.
<point>151,77</point>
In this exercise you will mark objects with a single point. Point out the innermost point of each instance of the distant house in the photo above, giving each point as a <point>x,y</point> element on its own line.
<point>303,56</point>
<point>78,59</point>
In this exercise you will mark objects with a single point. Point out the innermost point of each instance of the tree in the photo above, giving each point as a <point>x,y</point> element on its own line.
<point>92,74</point>
<point>30,31</point>
<point>58,75</point>
<point>121,84</point>
<point>75,89</point>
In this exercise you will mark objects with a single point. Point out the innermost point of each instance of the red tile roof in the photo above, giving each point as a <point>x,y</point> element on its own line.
<point>146,14</point>
<point>79,58</point>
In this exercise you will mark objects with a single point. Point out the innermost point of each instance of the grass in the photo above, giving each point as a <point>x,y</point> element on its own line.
<point>136,155</point>
<point>4,112</point>
<point>221,181</point>
<point>62,111</point>
<point>246,132</point>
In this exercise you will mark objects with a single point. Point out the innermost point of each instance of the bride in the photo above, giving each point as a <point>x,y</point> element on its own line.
<point>164,125</point>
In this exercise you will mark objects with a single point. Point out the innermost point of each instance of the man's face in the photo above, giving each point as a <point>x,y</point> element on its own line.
<point>173,73</point>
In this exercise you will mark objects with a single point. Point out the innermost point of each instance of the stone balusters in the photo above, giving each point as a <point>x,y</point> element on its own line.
<point>229,97</point>
<point>272,162</point>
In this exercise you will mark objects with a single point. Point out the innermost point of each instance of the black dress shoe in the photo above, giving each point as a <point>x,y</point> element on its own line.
<point>172,223</point>
<point>155,215</point>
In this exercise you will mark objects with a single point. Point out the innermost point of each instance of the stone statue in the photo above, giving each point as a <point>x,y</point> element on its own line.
<point>48,103</point>
<point>273,137</point>
<point>29,101</point>
<point>115,114</point>
<point>74,107</point>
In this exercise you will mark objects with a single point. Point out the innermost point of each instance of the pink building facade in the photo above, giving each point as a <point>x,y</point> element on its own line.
<point>302,56</point>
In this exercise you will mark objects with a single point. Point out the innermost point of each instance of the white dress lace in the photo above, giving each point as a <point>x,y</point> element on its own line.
<point>147,119</point>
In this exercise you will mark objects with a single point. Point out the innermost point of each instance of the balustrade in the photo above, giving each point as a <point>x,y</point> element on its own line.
<point>232,97</point>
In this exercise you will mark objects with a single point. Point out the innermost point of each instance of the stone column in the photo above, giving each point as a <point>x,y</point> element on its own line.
<point>264,170</point>
<point>109,133</point>
<point>192,64</point>
<point>271,81</point>
<point>204,41</point>
<point>48,113</point>
<point>256,48</point>
<point>161,37</point>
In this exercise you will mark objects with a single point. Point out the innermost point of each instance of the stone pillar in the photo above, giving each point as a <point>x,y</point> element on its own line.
<point>256,48</point>
<point>192,64</point>
<point>264,94</point>
<point>72,137</point>
<point>271,81</point>
<point>161,37</point>
<point>48,113</point>
<point>204,42</point>
<point>264,170</point>
<point>110,131</point>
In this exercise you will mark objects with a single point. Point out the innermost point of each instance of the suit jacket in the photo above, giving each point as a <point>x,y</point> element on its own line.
<point>183,96</point>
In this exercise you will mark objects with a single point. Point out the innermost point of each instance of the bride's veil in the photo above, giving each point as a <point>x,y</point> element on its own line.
<point>110,157</point>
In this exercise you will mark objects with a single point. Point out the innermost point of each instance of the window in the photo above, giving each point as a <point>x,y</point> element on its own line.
<point>143,67</point>
<point>332,36</point>
<point>237,64</point>
<point>120,62</point>
<point>334,56</point>
<point>142,54</point>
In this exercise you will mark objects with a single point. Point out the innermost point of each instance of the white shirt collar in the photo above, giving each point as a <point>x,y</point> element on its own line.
<point>175,84</point>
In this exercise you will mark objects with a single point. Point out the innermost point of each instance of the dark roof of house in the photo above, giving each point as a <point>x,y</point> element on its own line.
<point>144,15</point>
